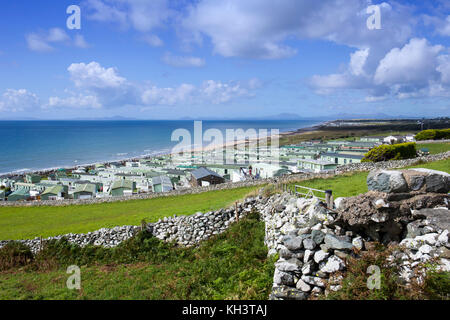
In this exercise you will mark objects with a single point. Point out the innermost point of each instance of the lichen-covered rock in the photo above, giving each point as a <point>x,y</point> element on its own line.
<point>386,181</point>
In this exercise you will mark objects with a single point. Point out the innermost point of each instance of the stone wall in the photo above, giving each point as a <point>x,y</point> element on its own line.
<point>314,242</point>
<point>182,230</point>
<point>230,185</point>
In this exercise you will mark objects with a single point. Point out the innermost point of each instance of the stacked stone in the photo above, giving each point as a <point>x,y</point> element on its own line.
<point>310,249</point>
<point>183,230</point>
<point>191,230</point>
<point>103,237</point>
<point>427,240</point>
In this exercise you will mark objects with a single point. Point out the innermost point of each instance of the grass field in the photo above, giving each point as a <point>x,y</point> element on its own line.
<point>352,184</point>
<point>30,222</point>
<point>233,265</point>
<point>435,148</point>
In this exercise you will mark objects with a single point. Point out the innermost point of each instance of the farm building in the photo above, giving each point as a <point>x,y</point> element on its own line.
<point>316,165</point>
<point>204,177</point>
<point>55,193</point>
<point>121,187</point>
<point>18,195</point>
<point>32,178</point>
<point>393,139</point>
<point>162,184</point>
<point>341,158</point>
<point>85,191</point>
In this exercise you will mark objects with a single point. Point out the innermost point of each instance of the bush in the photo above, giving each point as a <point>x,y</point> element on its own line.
<point>391,152</point>
<point>433,134</point>
<point>15,254</point>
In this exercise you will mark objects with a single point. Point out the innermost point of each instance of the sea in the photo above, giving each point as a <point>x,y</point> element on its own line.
<point>27,146</point>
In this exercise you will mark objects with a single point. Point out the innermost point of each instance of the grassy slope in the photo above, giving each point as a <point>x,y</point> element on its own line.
<point>30,222</point>
<point>353,184</point>
<point>234,265</point>
<point>435,148</point>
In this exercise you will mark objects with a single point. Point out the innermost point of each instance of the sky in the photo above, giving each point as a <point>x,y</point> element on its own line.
<point>172,59</point>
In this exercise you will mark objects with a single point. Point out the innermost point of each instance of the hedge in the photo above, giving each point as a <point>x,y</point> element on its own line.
<point>391,152</point>
<point>433,134</point>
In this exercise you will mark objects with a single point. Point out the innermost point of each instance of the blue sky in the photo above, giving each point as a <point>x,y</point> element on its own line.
<point>163,59</point>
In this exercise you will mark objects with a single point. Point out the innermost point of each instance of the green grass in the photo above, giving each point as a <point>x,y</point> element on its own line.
<point>233,265</point>
<point>347,185</point>
<point>30,222</point>
<point>435,148</point>
<point>352,184</point>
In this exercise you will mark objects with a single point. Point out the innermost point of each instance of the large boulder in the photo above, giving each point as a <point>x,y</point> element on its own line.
<point>411,180</point>
<point>386,181</point>
<point>364,215</point>
<point>435,181</point>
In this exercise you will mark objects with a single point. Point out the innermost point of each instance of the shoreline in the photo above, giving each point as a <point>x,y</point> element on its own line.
<point>47,171</point>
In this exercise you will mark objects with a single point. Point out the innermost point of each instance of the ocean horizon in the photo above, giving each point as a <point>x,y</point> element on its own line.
<point>35,145</point>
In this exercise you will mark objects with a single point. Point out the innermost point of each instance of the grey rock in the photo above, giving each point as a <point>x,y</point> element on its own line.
<point>309,244</point>
<point>335,242</point>
<point>303,286</point>
<point>289,265</point>
<point>283,278</point>
<point>386,181</point>
<point>317,236</point>
<point>294,243</point>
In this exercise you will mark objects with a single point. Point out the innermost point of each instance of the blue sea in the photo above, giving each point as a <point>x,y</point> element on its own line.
<point>38,145</point>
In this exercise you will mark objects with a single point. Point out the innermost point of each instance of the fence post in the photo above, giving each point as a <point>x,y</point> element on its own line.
<point>328,198</point>
<point>236,211</point>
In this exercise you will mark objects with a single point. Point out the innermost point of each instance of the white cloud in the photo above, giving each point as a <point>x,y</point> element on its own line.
<point>357,61</point>
<point>218,92</point>
<point>168,96</point>
<point>78,101</point>
<point>262,28</point>
<point>80,42</point>
<point>444,68</point>
<point>93,75</point>
<point>182,61</point>
<point>417,69</point>
<point>98,87</point>
<point>142,15</point>
<point>43,41</point>
<point>18,100</point>
<point>152,40</point>
<point>415,64</point>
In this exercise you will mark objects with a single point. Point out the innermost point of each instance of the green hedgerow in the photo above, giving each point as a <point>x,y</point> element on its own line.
<point>391,152</point>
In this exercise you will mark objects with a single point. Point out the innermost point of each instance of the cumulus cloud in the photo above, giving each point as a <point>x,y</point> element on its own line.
<point>142,15</point>
<point>414,70</point>
<point>77,101</point>
<point>93,75</point>
<point>182,61</point>
<point>152,40</point>
<point>168,96</point>
<point>44,41</point>
<point>98,87</point>
<point>413,64</point>
<point>262,28</point>
<point>14,100</point>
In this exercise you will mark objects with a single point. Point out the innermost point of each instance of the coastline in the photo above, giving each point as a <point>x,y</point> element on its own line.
<point>47,171</point>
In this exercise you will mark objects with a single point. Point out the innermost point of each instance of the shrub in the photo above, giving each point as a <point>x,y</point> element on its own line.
<point>433,134</point>
<point>391,152</point>
<point>15,254</point>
